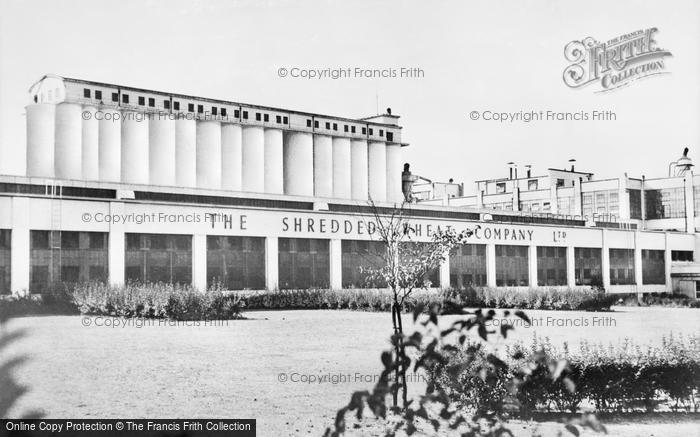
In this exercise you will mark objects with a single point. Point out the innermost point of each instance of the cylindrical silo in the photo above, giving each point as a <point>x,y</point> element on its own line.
<point>68,162</point>
<point>393,173</point>
<point>253,159</point>
<point>377,170</point>
<point>274,154</point>
<point>359,168</point>
<point>134,148</point>
<point>90,144</point>
<point>186,152</point>
<point>298,164</point>
<point>161,144</point>
<point>209,154</point>
<point>323,166</point>
<point>110,144</point>
<point>40,139</point>
<point>342,168</point>
<point>231,157</point>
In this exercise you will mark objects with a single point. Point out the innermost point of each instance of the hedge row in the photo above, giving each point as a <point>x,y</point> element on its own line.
<point>622,378</point>
<point>450,301</point>
<point>183,302</point>
<point>157,301</point>
<point>673,300</point>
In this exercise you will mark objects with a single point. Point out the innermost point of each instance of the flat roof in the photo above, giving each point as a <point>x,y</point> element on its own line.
<point>219,101</point>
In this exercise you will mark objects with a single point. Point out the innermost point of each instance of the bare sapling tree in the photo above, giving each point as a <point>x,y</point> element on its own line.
<point>405,265</point>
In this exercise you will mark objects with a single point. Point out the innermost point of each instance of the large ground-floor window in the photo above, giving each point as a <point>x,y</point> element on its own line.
<point>5,260</point>
<point>653,267</point>
<point>236,263</point>
<point>304,263</point>
<point>622,267</point>
<point>551,266</point>
<point>61,259</point>
<point>154,258</point>
<point>359,255</point>
<point>468,266</point>
<point>512,266</point>
<point>588,262</point>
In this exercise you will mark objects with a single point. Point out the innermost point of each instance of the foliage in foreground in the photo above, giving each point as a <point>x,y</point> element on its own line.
<point>435,410</point>
<point>616,378</point>
<point>12,390</point>
<point>157,301</point>
<point>448,301</point>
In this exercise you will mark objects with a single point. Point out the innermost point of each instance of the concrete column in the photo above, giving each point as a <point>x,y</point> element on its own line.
<point>532,260</point>
<point>571,266</point>
<point>342,168</point>
<point>20,245</point>
<point>480,199</point>
<point>271,263</point>
<point>117,247</point>
<point>578,207</point>
<point>623,199</point>
<point>637,260</point>
<point>516,198</point>
<point>667,263</point>
<point>323,166</point>
<point>209,154</point>
<point>134,149</point>
<point>231,157</point>
<point>161,157</point>
<point>90,144</point>
<point>336,264</point>
<point>605,259</point>
<point>274,161</point>
<point>553,198</point>
<point>689,202</point>
<point>199,262</point>
<point>445,273</point>
<point>491,265</point>
<point>186,153</point>
<point>298,164</point>
<point>40,139</point>
<point>253,159</point>
<point>110,145</point>
<point>377,171</point>
<point>394,166</point>
<point>19,259</point>
<point>643,198</point>
<point>68,162</point>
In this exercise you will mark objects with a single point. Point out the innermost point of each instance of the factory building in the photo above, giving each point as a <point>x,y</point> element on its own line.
<point>126,184</point>
<point>663,204</point>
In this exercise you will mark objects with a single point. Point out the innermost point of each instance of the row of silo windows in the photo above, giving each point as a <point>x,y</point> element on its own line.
<point>350,129</point>
<point>87,93</point>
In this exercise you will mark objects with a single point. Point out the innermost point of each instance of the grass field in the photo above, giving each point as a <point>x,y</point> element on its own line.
<point>291,370</point>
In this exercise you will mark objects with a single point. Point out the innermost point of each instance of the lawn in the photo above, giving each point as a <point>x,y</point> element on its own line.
<point>291,370</point>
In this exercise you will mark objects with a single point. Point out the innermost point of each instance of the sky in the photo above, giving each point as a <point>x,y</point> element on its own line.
<point>500,56</point>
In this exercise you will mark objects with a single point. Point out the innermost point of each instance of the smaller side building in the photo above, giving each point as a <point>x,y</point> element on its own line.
<point>663,204</point>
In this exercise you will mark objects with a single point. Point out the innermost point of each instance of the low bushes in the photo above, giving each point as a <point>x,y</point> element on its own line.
<point>658,299</point>
<point>450,301</point>
<point>157,301</point>
<point>56,303</point>
<point>621,378</point>
<point>572,299</point>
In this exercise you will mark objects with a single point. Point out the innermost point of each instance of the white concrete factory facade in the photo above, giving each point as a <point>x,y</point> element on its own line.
<point>125,184</point>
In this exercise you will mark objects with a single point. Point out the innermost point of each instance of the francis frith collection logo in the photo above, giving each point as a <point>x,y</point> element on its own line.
<point>616,62</point>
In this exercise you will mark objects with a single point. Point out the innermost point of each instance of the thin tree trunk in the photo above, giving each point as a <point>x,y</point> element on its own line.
<point>396,320</point>
<point>402,366</point>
